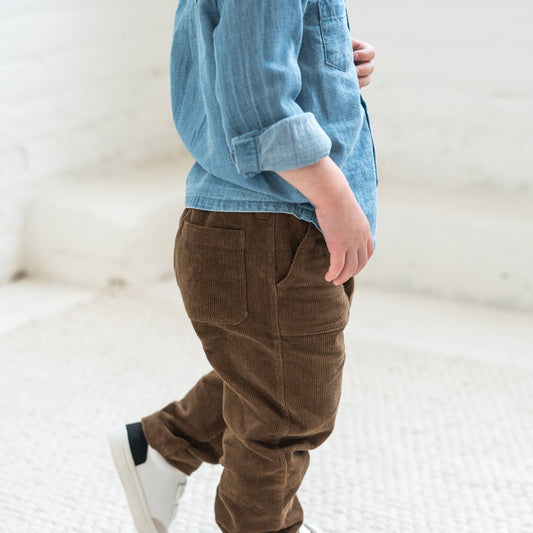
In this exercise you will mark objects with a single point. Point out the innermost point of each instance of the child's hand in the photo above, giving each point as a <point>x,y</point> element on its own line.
<point>363,56</point>
<point>343,223</point>
<point>348,237</point>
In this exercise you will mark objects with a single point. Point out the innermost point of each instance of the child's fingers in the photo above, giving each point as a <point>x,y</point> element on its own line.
<point>362,260</point>
<point>364,54</point>
<point>370,247</point>
<point>336,263</point>
<point>357,44</point>
<point>364,81</point>
<point>365,69</point>
<point>351,266</point>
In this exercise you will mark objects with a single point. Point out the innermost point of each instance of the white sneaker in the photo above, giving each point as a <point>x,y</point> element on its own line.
<point>308,528</point>
<point>152,485</point>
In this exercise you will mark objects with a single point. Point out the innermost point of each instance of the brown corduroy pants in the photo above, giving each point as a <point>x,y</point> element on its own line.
<point>271,327</point>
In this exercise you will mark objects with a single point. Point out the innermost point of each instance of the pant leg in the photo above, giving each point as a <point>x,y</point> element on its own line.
<point>189,432</point>
<point>272,328</point>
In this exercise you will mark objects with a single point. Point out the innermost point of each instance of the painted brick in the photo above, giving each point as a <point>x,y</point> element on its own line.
<point>82,85</point>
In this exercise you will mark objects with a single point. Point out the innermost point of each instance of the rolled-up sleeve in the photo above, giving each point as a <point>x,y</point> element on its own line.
<point>256,46</point>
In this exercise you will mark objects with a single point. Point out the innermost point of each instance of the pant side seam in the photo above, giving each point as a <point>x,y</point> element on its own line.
<point>284,381</point>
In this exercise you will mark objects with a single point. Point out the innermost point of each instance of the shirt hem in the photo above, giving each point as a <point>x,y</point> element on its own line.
<point>217,204</point>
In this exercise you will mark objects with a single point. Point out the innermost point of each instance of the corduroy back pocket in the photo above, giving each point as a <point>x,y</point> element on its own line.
<point>210,271</point>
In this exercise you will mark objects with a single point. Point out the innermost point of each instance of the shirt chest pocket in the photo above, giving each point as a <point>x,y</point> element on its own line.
<point>335,33</point>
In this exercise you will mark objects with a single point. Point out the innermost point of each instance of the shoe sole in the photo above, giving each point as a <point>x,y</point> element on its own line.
<point>310,528</point>
<point>131,483</point>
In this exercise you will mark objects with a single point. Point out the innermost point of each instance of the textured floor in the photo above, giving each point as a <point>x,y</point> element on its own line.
<point>423,442</point>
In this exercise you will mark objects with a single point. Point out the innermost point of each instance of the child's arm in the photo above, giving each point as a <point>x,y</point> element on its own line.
<point>343,223</point>
<point>258,79</point>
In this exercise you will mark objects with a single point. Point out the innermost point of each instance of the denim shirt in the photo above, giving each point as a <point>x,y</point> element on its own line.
<point>260,86</point>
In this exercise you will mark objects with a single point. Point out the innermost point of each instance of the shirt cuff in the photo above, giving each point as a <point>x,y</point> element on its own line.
<point>292,142</point>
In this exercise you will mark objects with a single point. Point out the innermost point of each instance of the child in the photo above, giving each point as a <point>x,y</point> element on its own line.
<point>280,215</point>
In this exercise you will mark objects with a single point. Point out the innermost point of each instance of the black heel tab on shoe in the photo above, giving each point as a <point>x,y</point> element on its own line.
<point>138,442</point>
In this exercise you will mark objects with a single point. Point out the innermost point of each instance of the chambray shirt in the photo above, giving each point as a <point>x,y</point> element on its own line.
<point>260,86</point>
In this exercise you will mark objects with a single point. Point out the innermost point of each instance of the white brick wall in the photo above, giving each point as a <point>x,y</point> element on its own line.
<point>85,83</point>
<point>451,100</point>
<point>82,84</point>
